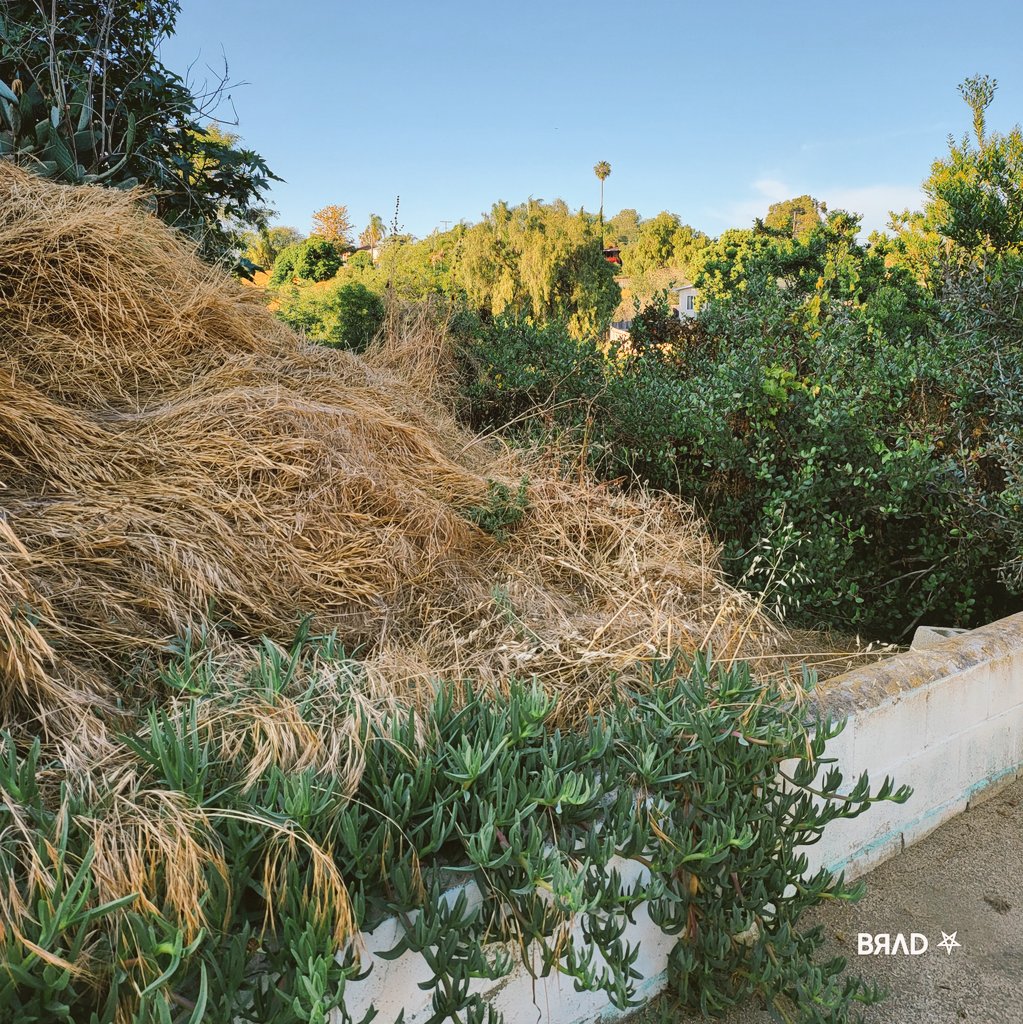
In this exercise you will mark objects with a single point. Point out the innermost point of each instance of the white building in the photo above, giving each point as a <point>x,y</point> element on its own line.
<point>686,295</point>
<point>620,330</point>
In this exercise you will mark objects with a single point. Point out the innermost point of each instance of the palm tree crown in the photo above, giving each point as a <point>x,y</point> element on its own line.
<point>602,170</point>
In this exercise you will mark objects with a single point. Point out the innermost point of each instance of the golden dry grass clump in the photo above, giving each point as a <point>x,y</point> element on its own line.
<point>172,458</point>
<point>170,454</point>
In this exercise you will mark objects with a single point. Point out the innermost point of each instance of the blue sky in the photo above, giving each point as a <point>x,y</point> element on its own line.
<point>712,110</point>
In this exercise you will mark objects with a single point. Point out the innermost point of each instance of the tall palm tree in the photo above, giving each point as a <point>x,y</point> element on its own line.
<point>375,231</point>
<point>602,170</point>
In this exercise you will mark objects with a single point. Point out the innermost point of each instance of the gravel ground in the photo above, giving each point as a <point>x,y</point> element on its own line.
<point>966,878</point>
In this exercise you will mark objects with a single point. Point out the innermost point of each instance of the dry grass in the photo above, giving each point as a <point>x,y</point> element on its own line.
<point>172,457</point>
<point>170,452</point>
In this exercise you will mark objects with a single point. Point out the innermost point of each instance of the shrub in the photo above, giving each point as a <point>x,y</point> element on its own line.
<point>359,314</point>
<point>864,433</point>
<point>235,910</point>
<point>284,271</point>
<point>504,508</point>
<point>315,259</point>
<point>535,376</point>
<point>853,435</point>
<point>655,327</point>
<point>347,315</point>
<point>360,260</point>
<point>318,260</point>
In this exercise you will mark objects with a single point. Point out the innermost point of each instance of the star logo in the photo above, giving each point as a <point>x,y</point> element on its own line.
<point>948,942</point>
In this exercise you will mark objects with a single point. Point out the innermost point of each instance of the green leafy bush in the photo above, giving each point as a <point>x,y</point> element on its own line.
<point>318,260</point>
<point>359,316</point>
<point>532,376</point>
<point>840,407</point>
<point>360,260</point>
<point>504,508</point>
<point>85,99</point>
<point>283,271</point>
<point>315,259</point>
<point>655,328</point>
<point>482,787</point>
<point>346,315</point>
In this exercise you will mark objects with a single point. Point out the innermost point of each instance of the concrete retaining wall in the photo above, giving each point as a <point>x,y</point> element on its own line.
<point>393,985</point>
<point>946,719</point>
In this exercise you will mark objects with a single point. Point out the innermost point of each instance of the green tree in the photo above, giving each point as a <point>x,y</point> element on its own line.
<point>829,261</point>
<point>315,259</point>
<point>538,260</point>
<point>797,217</point>
<point>84,98</point>
<point>373,233</point>
<point>663,242</point>
<point>978,91</point>
<point>360,260</point>
<point>911,242</point>
<point>975,209</point>
<point>656,330</point>
<point>348,315</point>
<point>623,228</point>
<point>975,194</point>
<point>974,201</point>
<point>319,260</point>
<point>264,246</point>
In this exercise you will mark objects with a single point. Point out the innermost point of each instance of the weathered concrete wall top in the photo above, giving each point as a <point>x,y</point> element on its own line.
<point>871,685</point>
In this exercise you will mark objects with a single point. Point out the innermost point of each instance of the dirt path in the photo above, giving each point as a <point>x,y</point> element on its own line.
<point>966,879</point>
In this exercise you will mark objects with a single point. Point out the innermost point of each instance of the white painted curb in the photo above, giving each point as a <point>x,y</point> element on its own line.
<point>945,718</point>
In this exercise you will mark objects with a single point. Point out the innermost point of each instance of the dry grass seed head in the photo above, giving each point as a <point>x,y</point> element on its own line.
<point>157,845</point>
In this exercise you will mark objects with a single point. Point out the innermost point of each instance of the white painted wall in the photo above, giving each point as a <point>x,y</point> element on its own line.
<point>947,720</point>
<point>684,294</point>
<point>393,985</point>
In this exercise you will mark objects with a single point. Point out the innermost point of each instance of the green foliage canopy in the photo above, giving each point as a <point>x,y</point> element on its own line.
<point>796,217</point>
<point>662,242</point>
<point>84,98</point>
<point>976,193</point>
<point>347,315</point>
<point>262,247</point>
<point>315,259</point>
<point>623,228</point>
<point>833,418</point>
<point>539,260</point>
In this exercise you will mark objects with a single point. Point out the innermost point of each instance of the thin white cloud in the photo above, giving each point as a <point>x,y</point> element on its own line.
<point>771,189</point>
<point>872,202</point>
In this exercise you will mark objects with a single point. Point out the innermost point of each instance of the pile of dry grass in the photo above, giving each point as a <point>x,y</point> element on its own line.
<point>172,458</point>
<point>171,454</point>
